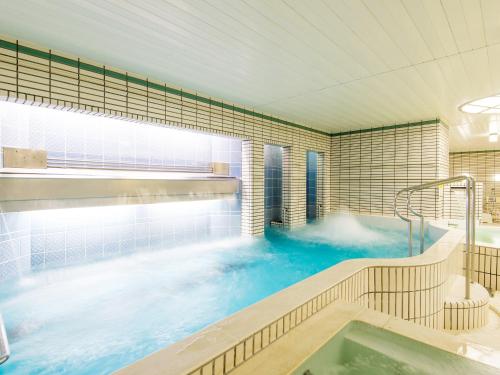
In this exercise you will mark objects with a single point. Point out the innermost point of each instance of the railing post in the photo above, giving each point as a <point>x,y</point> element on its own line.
<point>467,238</point>
<point>472,230</point>
<point>470,221</point>
<point>410,209</point>
<point>421,234</point>
<point>396,211</point>
<point>410,235</point>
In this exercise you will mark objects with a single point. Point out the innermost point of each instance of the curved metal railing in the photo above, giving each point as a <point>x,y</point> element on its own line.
<point>470,221</point>
<point>4,343</point>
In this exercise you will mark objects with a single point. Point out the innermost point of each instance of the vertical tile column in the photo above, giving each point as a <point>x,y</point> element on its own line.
<point>294,186</point>
<point>320,189</point>
<point>252,176</point>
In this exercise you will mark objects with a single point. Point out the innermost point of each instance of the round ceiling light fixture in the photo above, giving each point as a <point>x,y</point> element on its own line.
<point>489,105</point>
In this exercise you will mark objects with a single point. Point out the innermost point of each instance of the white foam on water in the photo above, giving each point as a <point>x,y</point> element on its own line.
<point>343,230</point>
<point>165,288</point>
<point>373,365</point>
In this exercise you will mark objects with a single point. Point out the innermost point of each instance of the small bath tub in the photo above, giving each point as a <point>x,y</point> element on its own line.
<point>488,235</point>
<point>361,348</point>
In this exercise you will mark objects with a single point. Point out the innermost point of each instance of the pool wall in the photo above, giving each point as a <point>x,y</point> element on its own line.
<point>487,266</point>
<point>413,289</point>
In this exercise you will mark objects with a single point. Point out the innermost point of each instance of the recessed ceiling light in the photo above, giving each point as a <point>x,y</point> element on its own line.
<point>469,108</point>
<point>492,111</point>
<point>490,101</point>
<point>487,105</point>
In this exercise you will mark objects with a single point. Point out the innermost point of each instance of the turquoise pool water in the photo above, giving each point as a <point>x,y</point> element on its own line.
<point>98,317</point>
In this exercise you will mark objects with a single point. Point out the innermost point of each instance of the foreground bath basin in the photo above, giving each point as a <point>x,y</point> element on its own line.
<point>361,348</point>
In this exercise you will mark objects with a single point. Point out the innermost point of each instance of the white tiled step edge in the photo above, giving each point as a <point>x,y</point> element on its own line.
<point>465,314</point>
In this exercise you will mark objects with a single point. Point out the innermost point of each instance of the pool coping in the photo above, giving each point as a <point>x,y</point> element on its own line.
<point>210,346</point>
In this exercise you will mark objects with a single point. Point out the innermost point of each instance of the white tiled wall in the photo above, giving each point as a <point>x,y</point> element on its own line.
<point>79,85</point>
<point>484,166</point>
<point>368,168</point>
<point>487,266</point>
<point>455,201</point>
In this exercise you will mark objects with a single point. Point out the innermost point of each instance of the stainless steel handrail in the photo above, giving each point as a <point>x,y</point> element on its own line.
<point>4,343</point>
<point>470,230</point>
<point>410,208</point>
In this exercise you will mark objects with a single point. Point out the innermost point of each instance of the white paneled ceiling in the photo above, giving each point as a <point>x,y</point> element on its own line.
<point>328,64</point>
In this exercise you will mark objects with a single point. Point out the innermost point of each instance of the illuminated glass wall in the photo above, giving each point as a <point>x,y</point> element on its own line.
<point>43,239</point>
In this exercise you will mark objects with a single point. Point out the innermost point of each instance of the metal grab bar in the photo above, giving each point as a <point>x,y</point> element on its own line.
<point>4,343</point>
<point>422,237</point>
<point>470,221</point>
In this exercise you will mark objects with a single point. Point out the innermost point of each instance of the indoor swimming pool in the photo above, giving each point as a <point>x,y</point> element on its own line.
<point>100,316</point>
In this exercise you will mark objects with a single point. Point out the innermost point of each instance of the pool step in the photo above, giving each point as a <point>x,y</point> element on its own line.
<point>462,314</point>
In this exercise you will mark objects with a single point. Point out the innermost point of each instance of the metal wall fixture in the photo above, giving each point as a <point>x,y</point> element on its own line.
<point>4,343</point>
<point>121,166</point>
<point>470,220</point>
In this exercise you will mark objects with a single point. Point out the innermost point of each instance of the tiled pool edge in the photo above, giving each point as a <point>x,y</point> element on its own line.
<point>381,284</point>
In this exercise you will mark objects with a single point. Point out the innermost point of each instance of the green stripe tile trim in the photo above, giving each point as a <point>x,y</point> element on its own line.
<point>389,127</point>
<point>124,77</point>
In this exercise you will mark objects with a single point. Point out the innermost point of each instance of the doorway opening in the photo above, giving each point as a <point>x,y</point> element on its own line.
<point>273,185</point>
